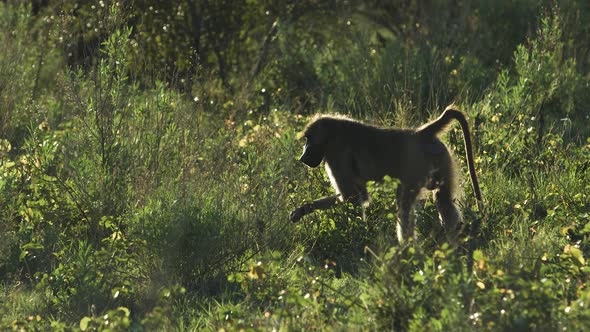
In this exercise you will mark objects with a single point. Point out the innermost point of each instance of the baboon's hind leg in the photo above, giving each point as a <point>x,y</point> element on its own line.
<point>406,197</point>
<point>449,214</point>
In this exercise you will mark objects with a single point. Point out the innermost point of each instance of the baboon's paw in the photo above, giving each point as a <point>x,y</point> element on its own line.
<point>297,214</point>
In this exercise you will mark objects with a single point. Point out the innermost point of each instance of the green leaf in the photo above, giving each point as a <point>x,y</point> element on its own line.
<point>26,249</point>
<point>577,254</point>
<point>33,246</point>
<point>125,311</point>
<point>478,255</point>
<point>84,323</point>
<point>419,276</point>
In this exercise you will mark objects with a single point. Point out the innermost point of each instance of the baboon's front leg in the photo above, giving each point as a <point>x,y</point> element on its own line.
<point>319,204</point>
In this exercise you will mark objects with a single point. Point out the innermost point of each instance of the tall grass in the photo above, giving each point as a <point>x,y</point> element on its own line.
<point>127,203</point>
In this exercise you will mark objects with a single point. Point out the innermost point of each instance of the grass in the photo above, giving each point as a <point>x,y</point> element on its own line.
<point>129,204</point>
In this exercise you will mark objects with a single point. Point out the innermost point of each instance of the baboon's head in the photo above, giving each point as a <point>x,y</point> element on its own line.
<point>315,142</point>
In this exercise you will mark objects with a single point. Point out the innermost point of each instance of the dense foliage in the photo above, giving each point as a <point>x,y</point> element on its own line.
<point>148,164</point>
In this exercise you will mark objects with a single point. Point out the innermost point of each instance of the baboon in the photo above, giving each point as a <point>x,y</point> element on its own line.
<point>355,153</point>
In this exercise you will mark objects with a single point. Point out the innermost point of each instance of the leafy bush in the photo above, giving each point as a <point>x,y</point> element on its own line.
<point>414,290</point>
<point>148,165</point>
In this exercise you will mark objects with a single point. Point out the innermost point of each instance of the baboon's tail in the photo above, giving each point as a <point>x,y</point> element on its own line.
<point>439,125</point>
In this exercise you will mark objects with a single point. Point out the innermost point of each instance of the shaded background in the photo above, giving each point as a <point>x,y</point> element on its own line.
<point>148,163</point>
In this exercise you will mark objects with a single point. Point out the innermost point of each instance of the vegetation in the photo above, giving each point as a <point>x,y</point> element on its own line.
<point>148,164</point>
